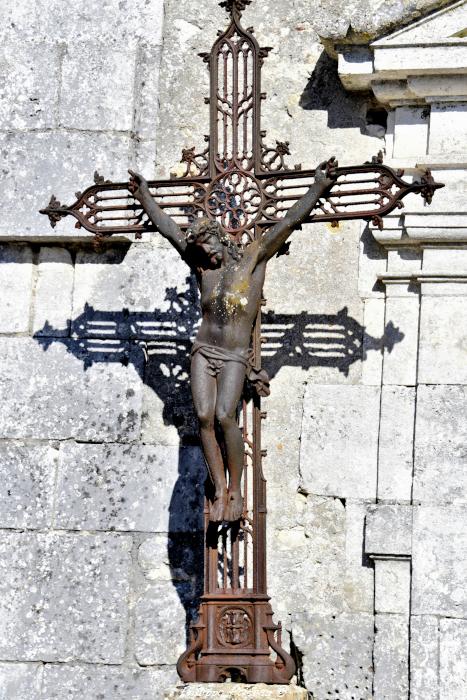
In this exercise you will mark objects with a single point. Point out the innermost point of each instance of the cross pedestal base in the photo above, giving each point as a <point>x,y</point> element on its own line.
<point>232,640</point>
<point>236,691</point>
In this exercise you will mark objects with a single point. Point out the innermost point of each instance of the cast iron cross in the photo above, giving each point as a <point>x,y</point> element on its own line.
<point>245,185</point>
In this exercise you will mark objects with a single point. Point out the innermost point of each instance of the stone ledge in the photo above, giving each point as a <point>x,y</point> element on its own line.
<point>236,691</point>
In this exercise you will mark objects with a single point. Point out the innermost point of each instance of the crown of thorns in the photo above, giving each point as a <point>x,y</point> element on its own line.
<point>203,228</point>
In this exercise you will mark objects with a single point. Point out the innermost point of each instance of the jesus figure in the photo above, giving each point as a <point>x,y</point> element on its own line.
<point>230,278</point>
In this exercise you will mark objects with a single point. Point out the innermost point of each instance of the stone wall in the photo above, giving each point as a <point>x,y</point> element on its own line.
<point>102,476</point>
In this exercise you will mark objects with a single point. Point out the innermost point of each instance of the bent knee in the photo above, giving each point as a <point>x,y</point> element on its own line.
<point>225,418</point>
<point>206,420</point>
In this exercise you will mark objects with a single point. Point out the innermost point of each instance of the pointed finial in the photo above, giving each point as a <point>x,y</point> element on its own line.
<point>235,6</point>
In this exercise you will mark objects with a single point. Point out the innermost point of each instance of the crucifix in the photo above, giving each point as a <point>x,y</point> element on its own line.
<point>233,209</point>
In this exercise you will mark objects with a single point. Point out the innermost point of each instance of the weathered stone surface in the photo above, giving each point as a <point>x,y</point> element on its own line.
<point>395,464</point>
<point>102,101</point>
<point>148,58</point>
<point>236,691</point>
<point>388,530</point>
<point>27,477</point>
<point>359,575</point>
<point>39,164</point>
<point>313,553</point>
<point>16,278</point>
<point>443,335</point>
<point>453,659</point>
<point>448,131</point>
<point>372,368</point>
<point>53,293</point>
<point>75,682</point>
<point>400,364</point>
<point>424,657</point>
<point>372,262</point>
<point>391,657</point>
<point>392,586</point>
<point>59,398</point>
<point>411,131</point>
<point>337,654</point>
<point>111,22</point>
<point>440,446</point>
<point>63,597</point>
<point>20,681</point>
<point>132,487</point>
<point>161,615</point>
<point>439,556</point>
<point>340,440</point>
<point>30,80</point>
<point>281,437</point>
<point>151,283</point>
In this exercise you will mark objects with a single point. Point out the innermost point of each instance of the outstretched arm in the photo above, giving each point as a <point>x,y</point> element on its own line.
<point>165,225</point>
<point>274,239</point>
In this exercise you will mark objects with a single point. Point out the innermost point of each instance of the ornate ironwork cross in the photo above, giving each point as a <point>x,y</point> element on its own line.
<point>246,186</point>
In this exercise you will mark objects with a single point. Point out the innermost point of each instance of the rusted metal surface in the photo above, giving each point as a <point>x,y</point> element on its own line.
<point>247,187</point>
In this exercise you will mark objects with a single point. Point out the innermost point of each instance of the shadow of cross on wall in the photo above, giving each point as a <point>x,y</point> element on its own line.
<point>159,342</point>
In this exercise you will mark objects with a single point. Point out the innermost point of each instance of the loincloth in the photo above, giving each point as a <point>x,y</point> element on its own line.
<point>217,358</point>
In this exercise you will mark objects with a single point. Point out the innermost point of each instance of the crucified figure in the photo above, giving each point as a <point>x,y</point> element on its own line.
<point>230,279</point>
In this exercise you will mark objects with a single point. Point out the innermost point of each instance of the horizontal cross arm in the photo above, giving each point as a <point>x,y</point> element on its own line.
<point>108,208</point>
<point>367,192</point>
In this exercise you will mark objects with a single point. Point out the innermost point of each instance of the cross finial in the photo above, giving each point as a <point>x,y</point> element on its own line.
<point>235,6</point>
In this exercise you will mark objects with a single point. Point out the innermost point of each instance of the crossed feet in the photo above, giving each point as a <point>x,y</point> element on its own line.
<point>226,506</point>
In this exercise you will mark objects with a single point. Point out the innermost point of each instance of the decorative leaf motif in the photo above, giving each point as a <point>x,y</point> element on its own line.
<point>235,5</point>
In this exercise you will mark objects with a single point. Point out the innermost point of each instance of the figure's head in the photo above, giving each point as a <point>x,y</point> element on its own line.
<point>213,240</point>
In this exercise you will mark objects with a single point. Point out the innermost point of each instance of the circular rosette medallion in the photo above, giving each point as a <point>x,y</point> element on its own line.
<point>234,199</point>
<point>234,627</point>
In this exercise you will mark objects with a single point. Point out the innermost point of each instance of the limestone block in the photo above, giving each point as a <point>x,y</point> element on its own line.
<point>27,475</point>
<point>441,434</point>
<point>391,657</point>
<point>20,681</point>
<point>30,79</point>
<point>443,341</point>
<point>372,368</point>
<point>447,259</point>
<point>39,164</point>
<point>358,576</point>
<point>404,260</point>
<point>313,553</point>
<point>339,440</point>
<point>53,295</point>
<point>154,286</point>
<point>411,131</point>
<point>111,22</point>
<point>438,563</point>
<point>63,597</point>
<point>236,691</point>
<point>396,443</point>
<point>400,363</point>
<point>424,657</point>
<point>16,278</point>
<point>49,393</point>
<point>74,682</point>
<point>337,654</point>
<point>148,60</point>
<point>389,530</point>
<point>453,659</point>
<point>161,615</point>
<point>448,127</point>
<point>144,160</point>
<point>372,262</point>
<point>128,488</point>
<point>103,99</point>
<point>392,586</point>
<point>281,437</point>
